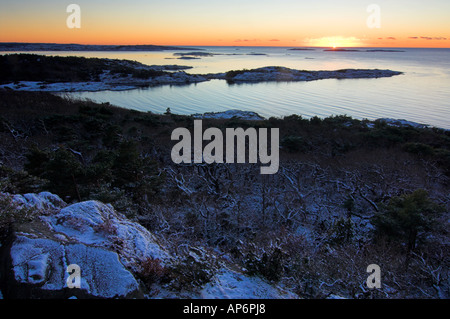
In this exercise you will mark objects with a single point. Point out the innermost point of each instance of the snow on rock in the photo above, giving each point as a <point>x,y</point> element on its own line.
<point>102,242</point>
<point>41,201</point>
<point>95,223</point>
<point>108,82</point>
<point>402,123</point>
<point>43,263</point>
<point>114,82</point>
<point>244,115</point>
<point>276,73</point>
<point>34,86</point>
<point>232,285</point>
<point>107,247</point>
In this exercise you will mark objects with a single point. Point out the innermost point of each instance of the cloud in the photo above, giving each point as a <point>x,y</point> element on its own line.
<point>391,38</point>
<point>274,40</point>
<point>247,40</point>
<point>414,38</point>
<point>434,38</point>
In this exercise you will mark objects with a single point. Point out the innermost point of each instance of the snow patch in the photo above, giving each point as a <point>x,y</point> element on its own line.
<point>232,285</point>
<point>44,262</point>
<point>41,201</point>
<point>281,74</point>
<point>102,242</point>
<point>244,115</point>
<point>111,82</point>
<point>98,224</point>
<point>402,123</point>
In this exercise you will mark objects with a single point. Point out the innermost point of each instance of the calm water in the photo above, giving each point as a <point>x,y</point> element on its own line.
<point>422,94</point>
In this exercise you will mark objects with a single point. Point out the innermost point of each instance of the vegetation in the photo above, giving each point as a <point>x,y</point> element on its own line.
<point>12,216</point>
<point>347,194</point>
<point>408,216</point>
<point>33,67</point>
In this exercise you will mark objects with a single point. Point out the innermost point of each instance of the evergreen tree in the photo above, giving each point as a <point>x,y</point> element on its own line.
<point>407,217</point>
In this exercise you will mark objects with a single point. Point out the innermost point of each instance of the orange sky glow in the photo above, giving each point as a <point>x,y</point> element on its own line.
<point>286,23</point>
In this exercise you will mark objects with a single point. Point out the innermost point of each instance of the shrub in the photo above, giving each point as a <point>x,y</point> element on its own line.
<point>269,265</point>
<point>192,271</point>
<point>19,182</point>
<point>294,144</point>
<point>111,135</point>
<point>443,157</point>
<point>61,168</point>
<point>418,148</point>
<point>407,217</point>
<point>7,212</point>
<point>139,175</point>
<point>151,271</point>
<point>107,228</point>
<point>315,120</point>
<point>342,231</point>
<point>146,74</point>
<point>11,216</point>
<point>231,74</point>
<point>294,117</point>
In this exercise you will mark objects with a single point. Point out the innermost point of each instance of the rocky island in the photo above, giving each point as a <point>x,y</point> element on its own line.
<point>32,72</point>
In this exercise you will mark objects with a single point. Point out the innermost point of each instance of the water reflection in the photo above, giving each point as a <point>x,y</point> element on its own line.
<point>421,94</point>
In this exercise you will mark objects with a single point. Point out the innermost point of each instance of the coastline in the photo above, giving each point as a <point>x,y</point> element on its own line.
<point>57,47</point>
<point>254,116</point>
<point>33,72</point>
<point>266,74</point>
<point>175,75</point>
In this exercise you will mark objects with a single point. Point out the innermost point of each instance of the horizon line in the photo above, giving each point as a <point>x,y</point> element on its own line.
<point>243,46</point>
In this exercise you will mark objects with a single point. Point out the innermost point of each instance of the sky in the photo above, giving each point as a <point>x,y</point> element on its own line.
<point>326,23</point>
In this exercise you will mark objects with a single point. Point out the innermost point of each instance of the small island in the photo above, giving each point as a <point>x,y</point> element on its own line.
<point>358,50</point>
<point>32,72</point>
<point>301,49</point>
<point>29,47</point>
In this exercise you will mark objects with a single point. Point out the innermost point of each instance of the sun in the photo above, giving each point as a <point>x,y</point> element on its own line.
<point>335,42</point>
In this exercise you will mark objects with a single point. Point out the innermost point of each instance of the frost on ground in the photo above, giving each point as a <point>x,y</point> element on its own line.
<point>232,285</point>
<point>402,123</point>
<point>108,248</point>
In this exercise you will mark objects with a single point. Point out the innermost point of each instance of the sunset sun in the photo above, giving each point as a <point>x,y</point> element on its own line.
<point>336,42</point>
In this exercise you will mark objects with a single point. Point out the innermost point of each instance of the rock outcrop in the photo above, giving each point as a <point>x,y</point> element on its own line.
<point>282,74</point>
<point>104,244</point>
<point>114,82</point>
<point>39,257</point>
<point>243,115</point>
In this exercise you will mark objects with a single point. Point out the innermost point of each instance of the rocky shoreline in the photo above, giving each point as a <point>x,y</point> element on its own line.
<point>174,75</point>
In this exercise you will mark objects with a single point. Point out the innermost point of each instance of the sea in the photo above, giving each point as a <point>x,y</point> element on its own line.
<point>421,94</point>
